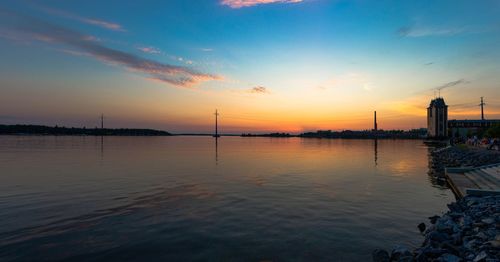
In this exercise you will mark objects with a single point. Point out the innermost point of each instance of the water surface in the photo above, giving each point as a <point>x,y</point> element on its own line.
<point>188,199</point>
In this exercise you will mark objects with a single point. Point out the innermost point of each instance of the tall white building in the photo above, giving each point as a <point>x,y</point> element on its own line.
<point>437,119</point>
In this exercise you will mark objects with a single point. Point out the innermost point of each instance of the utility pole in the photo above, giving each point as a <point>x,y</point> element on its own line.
<point>216,127</point>
<point>375,121</point>
<point>102,121</point>
<point>482,108</point>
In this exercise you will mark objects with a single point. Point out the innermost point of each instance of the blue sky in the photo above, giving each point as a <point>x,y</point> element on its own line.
<point>272,66</point>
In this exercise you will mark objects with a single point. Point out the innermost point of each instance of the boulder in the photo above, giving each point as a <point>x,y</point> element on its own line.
<point>380,255</point>
<point>421,227</point>
<point>449,258</point>
<point>401,253</point>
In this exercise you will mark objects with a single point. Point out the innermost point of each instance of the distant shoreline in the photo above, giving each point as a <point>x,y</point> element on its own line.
<point>40,130</point>
<point>205,135</point>
<point>75,131</point>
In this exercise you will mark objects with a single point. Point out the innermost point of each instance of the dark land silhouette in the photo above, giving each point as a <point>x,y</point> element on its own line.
<point>369,134</point>
<point>56,130</point>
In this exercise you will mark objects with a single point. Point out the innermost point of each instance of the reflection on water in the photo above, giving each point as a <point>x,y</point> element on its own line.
<point>191,198</point>
<point>216,150</point>
<point>434,178</point>
<point>102,147</point>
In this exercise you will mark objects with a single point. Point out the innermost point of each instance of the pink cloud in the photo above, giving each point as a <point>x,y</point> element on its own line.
<point>31,28</point>
<point>101,23</point>
<point>248,3</point>
<point>149,50</point>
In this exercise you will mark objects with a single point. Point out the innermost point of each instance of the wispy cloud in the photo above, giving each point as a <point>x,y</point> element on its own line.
<point>417,31</point>
<point>248,3</point>
<point>259,90</point>
<point>36,29</point>
<point>206,49</point>
<point>149,49</point>
<point>91,21</point>
<point>429,63</point>
<point>443,86</point>
<point>103,24</point>
<point>73,52</point>
<point>451,84</point>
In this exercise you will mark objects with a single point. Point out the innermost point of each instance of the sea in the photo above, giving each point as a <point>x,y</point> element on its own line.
<point>197,198</point>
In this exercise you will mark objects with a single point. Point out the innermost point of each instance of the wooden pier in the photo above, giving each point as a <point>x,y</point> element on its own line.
<point>483,180</point>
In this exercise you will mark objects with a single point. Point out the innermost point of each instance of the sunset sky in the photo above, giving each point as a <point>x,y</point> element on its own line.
<point>266,65</point>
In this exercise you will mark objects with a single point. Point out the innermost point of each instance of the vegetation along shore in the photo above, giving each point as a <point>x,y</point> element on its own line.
<point>74,131</point>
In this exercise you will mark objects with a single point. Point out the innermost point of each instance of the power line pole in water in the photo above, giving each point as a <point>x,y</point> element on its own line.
<point>216,124</point>
<point>482,108</point>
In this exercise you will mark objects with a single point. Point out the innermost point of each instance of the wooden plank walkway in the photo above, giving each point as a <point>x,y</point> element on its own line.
<point>484,180</point>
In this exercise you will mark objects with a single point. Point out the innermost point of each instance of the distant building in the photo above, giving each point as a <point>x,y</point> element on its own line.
<point>463,128</point>
<point>438,125</point>
<point>437,118</point>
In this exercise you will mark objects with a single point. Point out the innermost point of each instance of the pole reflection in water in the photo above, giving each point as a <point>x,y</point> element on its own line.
<point>375,146</point>
<point>102,148</point>
<point>216,150</point>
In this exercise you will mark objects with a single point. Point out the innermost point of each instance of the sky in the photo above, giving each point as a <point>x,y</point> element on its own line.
<point>266,65</point>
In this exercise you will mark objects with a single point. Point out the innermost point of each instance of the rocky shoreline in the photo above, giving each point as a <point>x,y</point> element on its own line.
<point>469,231</point>
<point>457,156</point>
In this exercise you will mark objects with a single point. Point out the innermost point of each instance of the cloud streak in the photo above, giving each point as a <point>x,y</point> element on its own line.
<point>413,31</point>
<point>259,90</point>
<point>149,49</point>
<point>451,84</point>
<point>36,29</point>
<point>91,21</point>
<point>249,3</point>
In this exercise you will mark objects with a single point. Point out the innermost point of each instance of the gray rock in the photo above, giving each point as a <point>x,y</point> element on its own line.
<point>430,252</point>
<point>488,221</point>
<point>468,232</point>
<point>455,215</point>
<point>471,244</point>
<point>449,258</point>
<point>481,257</point>
<point>433,219</point>
<point>450,248</point>
<point>401,253</point>
<point>482,236</point>
<point>436,236</point>
<point>380,255</point>
<point>495,243</point>
<point>421,227</point>
<point>406,259</point>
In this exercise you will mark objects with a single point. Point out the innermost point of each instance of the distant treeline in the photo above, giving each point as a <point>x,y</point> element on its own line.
<point>56,130</point>
<point>369,134</point>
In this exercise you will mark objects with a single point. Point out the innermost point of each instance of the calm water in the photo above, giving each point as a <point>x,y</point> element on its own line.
<point>183,199</point>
